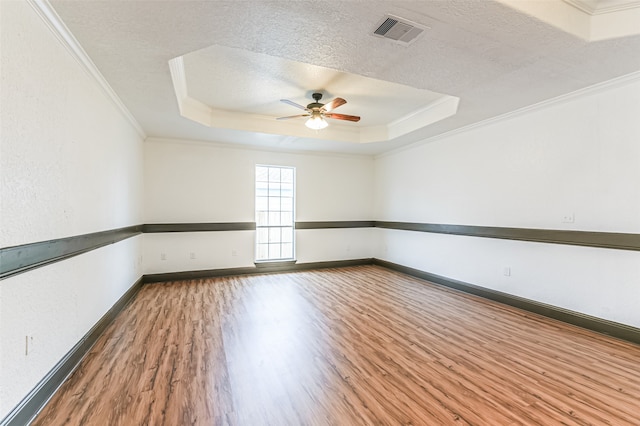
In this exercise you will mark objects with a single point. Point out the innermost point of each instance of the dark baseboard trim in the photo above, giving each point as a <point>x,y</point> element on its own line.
<point>610,240</point>
<point>18,259</point>
<point>198,227</point>
<point>336,224</point>
<point>253,270</point>
<point>30,406</point>
<point>610,328</point>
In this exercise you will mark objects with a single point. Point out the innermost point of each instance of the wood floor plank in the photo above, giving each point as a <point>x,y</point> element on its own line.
<point>351,346</point>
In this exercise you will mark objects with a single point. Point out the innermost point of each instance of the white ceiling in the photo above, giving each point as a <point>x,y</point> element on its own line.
<point>260,82</point>
<point>493,58</point>
<point>266,79</point>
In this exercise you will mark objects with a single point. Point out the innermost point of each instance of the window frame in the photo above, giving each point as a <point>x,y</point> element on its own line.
<point>269,227</point>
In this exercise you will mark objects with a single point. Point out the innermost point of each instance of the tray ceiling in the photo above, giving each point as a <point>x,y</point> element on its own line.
<point>241,57</point>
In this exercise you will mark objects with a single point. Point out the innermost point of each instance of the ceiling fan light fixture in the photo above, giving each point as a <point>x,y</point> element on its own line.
<point>319,112</point>
<point>316,122</point>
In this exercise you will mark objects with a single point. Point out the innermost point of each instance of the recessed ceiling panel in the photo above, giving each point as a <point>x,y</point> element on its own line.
<point>246,87</point>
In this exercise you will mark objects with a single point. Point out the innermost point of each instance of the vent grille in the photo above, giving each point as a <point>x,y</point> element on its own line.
<point>398,29</point>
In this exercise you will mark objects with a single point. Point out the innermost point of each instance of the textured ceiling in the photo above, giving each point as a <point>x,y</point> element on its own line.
<point>492,57</point>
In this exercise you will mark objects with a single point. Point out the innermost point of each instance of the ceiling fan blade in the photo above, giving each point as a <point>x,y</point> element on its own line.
<point>293,104</point>
<point>293,116</point>
<point>353,118</point>
<point>333,104</point>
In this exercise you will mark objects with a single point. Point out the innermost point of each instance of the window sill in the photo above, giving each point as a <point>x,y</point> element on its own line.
<point>272,263</point>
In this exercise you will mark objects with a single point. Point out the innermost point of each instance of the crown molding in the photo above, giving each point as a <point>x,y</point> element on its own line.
<point>51,18</point>
<point>585,7</point>
<point>558,100</point>
<point>253,148</point>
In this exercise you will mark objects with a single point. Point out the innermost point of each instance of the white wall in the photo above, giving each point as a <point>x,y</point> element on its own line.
<point>579,157</point>
<point>70,163</point>
<point>202,182</point>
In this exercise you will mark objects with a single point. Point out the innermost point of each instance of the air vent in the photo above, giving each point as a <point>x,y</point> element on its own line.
<point>399,30</point>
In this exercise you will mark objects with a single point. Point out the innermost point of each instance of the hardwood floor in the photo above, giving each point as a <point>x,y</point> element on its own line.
<point>352,346</point>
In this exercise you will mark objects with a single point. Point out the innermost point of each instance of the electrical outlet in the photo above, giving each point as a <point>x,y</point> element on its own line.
<point>348,248</point>
<point>163,256</point>
<point>506,271</point>
<point>569,218</point>
<point>234,252</point>
<point>192,255</point>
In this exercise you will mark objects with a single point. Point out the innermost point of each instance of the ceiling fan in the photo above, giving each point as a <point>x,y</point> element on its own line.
<point>317,112</point>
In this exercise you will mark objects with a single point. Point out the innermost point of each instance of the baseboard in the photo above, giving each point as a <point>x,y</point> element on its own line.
<point>258,269</point>
<point>599,325</point>
<point>31,404</point>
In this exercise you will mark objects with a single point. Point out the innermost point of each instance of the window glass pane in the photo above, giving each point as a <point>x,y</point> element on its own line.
<point>274,251</point>
<point>274,189</point>
<point>274,204</point>
<point>286,219</point>
<point>286,204</point>
<point>263,234</point>
<point>274,174</point>
<point>262,218</point>
<point>287,175</point>
<point>262,252</point>
<point>274,235</point>
<point>287,235</point>
<point>262,203</point>
<point>274,218</point>
<point>287,251</point>
<point>287,190</point>
<point>262,174</point>
<point>262,189</point>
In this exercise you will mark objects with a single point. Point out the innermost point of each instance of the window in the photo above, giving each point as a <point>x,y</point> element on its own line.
<point>274,213</point>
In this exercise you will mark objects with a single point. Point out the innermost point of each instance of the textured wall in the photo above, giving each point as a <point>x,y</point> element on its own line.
<point>195,182</point>
<point>70,163</point>
<point>580,157</point>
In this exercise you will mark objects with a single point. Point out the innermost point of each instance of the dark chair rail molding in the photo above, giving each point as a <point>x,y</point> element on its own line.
<point>18,259</point>
<point>249,226</point>
<point>336,224</point>
<point>14,260</point>
<point>611,240</point>
<point>198,227</point>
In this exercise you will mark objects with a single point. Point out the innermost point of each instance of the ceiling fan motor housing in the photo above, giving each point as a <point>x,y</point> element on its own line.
<point>318,111</point>
<point>316,97</point>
